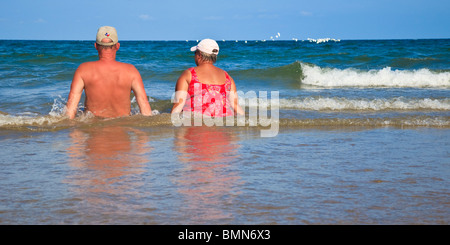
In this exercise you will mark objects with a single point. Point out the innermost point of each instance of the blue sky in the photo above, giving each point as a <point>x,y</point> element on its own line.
<point>225,19</point>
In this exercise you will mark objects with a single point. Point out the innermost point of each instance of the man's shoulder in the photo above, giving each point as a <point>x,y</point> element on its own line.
<point>85,67</point>
<point>115,63</point>
<point>123,65</point>
<point>87,64</point>
<point>128,65</point>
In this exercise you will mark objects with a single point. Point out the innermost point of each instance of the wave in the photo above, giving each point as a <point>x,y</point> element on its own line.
<point>343,104</point>
<point>288,73</point>
<point>323,40</point>
<point>56,123</point>
<point>340,104</point>
<point>57,120</point>
<point>310,75</point>
<point>320,103</point>
<point>332,77</point>
<point>31,122</point>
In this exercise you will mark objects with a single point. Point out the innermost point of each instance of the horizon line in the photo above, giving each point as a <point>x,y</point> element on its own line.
<point>229,40</point>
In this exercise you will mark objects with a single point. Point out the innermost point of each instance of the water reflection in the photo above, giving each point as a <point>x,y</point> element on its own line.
<point>208,180</point>
<point>108,163</point>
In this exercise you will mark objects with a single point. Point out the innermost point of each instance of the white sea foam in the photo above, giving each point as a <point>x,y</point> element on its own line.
<point>332,77</point>
<point>338,104</point>
<point>323,40</point>
<point>28,120</point>
<point>56,115</point>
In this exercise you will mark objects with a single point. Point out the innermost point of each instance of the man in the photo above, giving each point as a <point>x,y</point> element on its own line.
<point>107,83</point>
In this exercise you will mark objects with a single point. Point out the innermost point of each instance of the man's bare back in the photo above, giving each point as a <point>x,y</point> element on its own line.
<point>107,85</point>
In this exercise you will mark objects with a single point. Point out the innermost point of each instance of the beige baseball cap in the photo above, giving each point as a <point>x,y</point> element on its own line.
<point>208,46</point>
<point>107,32</point>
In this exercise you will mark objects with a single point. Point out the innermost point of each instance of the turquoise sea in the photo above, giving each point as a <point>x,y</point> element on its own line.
<point>362,137</point>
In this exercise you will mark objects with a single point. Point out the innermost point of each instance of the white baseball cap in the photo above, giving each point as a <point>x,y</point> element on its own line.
<point>208,46</point>
<point>107,32</point>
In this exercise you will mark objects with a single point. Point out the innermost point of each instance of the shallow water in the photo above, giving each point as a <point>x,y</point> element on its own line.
<point>114,174</point>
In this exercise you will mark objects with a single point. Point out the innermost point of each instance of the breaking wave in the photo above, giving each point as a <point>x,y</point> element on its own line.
<point>387,77</point>
<point>316,76</point>
<point>54,123</point>
<point>336,103</point>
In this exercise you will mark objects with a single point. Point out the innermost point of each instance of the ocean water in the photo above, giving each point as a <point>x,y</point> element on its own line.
<point>362,137</point>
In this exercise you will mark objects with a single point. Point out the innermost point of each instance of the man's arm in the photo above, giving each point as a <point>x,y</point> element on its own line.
<point>76,90</point>
<point>137,85</point>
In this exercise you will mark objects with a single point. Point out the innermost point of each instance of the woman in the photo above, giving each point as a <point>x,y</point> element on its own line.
<point>206,89</point>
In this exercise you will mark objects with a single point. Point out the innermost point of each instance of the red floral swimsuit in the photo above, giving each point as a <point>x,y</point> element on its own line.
<point>209,99</point>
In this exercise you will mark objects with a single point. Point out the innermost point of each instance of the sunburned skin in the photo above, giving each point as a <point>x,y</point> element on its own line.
<point>107,84</point>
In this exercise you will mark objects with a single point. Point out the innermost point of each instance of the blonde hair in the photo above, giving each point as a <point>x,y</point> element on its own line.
<point>207,57</point>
